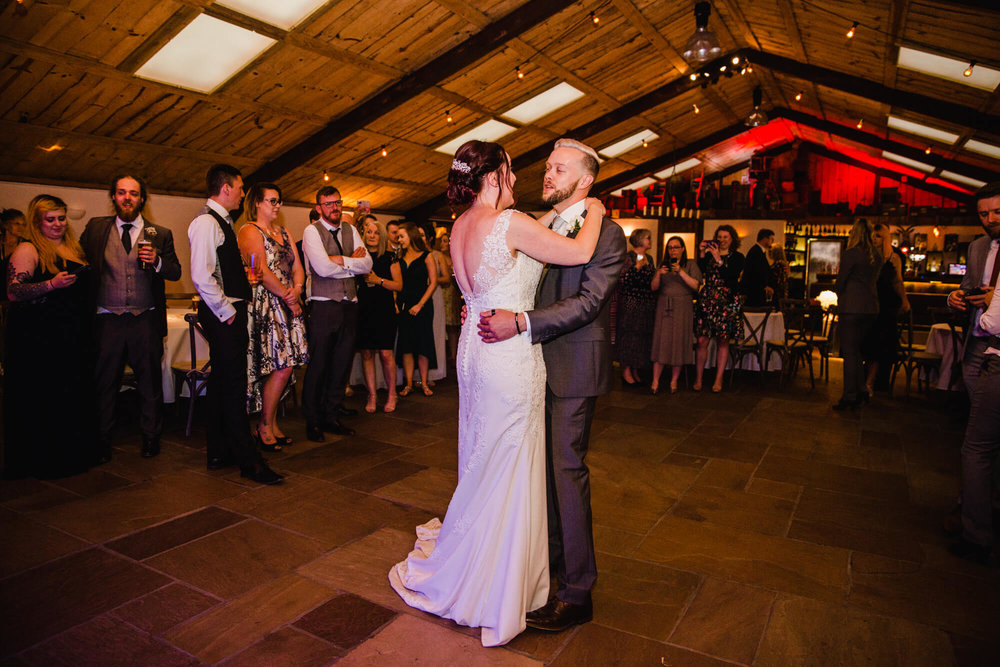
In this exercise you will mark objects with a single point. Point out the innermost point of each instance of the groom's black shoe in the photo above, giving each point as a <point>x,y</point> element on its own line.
<point>558,616</point>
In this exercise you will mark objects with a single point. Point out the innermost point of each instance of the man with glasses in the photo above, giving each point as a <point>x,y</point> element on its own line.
<point>334,255</point>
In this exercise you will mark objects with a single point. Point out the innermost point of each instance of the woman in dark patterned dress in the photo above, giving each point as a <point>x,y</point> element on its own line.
<point>717,314</point>
<point>48,376</point>
<point>416,310</point>
<point>779,272</point>
<point>377,312</point>
<point>636,307</point>
<point>277,327</point>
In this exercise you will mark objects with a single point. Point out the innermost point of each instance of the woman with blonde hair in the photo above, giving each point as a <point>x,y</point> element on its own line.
<point>48,355</point>
<point>880,346</point>
<point>377,312</point>
<point>277,325</point>
<point>857,303</point>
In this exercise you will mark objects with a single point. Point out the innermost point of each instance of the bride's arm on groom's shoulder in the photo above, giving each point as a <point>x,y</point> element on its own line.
<point>538,241</point>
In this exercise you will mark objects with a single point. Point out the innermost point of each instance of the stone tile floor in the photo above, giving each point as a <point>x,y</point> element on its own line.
<point>755,526</point>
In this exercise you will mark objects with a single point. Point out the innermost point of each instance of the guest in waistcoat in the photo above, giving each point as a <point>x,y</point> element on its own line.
<point>334,256</point>
<point>218,275</point>
<point>131,308</point>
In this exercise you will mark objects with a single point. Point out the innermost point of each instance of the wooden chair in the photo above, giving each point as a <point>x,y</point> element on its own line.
<point>823,341</point>
<point>193,373</point>
<point>801,323</point>
<point>912,356</point>
<point>751,344</point>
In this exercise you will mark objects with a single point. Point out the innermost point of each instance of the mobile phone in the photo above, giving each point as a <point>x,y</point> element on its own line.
<point>975,291</point>
<point>76,270</point>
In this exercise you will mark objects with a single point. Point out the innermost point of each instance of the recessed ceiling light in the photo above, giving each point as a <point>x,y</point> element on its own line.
<point>982,148</point>
<point>959,178</point>
<point>491,130</point>
<point>628,143</point>
<point>635,186</point>
<point>920,166</point>
<point>285,14</point>
<point>544,103</point>
<point>204,55</point>
<point>922,130</point>
<point>678,168</point>
<point>982,77</point>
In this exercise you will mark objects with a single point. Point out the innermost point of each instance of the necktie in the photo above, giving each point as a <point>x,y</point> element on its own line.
<point>340,248</point>
<point>127,237</point>
<point>996,267</point>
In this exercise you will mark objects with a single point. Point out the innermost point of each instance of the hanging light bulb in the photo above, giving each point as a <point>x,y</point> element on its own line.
<point>850,33</point>
<point>385,152</point>
<point>968,70</point>
<point>749,68</point>
<point>861,123</point>
<point>798,96</point>
<point>757,117</point>
<point>696,109</point>
<point>693,76</point>
<point>520,74</point>
<point>722,69</point>
<point>326,176</point>
<point>927,151</point>
<point>735,60</point>
<point>447,116</point>
<point>595,18</point>
<point>645,143</point>
<point>452,216</point>
<point>703,45</point>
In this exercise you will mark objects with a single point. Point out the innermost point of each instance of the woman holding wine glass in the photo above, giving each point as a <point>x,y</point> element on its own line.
<point>277,326</point>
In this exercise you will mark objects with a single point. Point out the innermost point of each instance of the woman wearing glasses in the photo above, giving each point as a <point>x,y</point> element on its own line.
<point>277,327</point>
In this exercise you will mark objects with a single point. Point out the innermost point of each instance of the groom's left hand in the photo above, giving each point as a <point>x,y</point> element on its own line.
<point>496,325</point>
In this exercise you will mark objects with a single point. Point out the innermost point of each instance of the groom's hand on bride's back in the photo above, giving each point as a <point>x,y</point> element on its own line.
<point>496,325</point>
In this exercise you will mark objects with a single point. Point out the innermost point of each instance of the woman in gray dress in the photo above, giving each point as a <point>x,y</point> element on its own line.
<point>677,282</point>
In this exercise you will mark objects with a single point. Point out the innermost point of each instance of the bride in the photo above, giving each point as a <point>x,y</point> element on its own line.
<point>487,564</point>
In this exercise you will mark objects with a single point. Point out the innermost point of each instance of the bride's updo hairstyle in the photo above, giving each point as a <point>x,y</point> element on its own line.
<point>473,162</point>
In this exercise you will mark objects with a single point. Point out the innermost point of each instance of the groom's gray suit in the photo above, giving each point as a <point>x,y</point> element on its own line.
<point>572,321</point>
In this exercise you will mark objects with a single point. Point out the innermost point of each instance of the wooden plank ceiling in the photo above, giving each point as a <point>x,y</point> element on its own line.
<point>357,76</point>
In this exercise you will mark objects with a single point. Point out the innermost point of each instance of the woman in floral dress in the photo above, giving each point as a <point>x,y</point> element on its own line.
<point>717,314</point>
<point>277,327</point>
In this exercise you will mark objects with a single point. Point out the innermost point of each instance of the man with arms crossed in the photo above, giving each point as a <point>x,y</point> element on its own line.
<point>572,322</point>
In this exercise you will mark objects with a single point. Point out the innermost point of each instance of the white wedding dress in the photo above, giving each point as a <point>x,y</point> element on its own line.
<point>487,564</point>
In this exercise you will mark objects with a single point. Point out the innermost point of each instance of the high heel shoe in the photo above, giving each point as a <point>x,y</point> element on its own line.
<point>266,446</point>
<point>283,440</point>
<point>716,388</point>
<point>864,397</point>
<point>673,387</point>
<point>654,389</point>
<point>843,404</point>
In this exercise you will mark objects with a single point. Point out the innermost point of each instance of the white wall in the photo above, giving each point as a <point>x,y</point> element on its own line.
<point>171,211</point>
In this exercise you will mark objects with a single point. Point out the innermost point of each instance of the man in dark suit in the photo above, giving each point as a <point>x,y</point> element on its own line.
<point>756,282</point>
<point>129,299</point>
<point>572,322</point>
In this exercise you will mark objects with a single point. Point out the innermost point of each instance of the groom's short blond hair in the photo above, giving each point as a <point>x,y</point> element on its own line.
<point>589,159</point>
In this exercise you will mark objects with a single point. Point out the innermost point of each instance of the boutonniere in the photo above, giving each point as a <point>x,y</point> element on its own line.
<point>149,231</point>
<point>576,225</point>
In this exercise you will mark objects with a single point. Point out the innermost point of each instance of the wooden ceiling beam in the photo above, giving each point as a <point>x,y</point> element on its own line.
<point>652,35</point>
<point>447,64</point>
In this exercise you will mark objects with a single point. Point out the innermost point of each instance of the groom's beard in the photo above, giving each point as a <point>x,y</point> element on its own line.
<point>560,195</point>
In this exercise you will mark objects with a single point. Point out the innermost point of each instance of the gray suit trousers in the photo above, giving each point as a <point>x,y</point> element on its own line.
<point>979,455</point>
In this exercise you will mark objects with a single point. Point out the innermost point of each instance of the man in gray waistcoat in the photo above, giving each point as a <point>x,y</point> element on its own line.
<point>334,255</point>
<point>131,258</point>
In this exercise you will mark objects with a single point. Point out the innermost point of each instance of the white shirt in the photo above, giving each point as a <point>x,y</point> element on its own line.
<point>205,236</point>
<point>992,256</point>
<point>562,225</point>
<point>319,262</point>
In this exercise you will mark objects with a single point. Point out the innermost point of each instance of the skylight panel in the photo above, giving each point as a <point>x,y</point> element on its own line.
<point>678,168</point>
<point>491,130</point>
<point>982,148</point>
<point>284,14</point>
<point>544,103</point>
<point>943,67</point>
<point>635,186</point>
<point>204,55</point>
<point>965,180</point>
<point>922,130</point>
<point>920,166</point>
<point>628,143</point>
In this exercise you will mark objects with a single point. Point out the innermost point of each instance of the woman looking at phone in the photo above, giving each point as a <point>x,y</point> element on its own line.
<point>677,282</point>
<point>717,314</point>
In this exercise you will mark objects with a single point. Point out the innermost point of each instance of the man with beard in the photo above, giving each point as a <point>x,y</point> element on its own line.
<point>572,322</point>
<point>131,258</point>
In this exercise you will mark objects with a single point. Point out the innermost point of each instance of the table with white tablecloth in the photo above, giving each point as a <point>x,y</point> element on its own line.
<point>774,330</point>
<point>939,342</point>
<point>177,348</point>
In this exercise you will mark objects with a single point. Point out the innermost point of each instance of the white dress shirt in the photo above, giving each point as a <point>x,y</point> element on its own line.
<point>205,236</point>
<point>992,256</point>
<point>319,262</point>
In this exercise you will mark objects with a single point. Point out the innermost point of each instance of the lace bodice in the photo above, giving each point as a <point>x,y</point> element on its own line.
<point>503,280</point>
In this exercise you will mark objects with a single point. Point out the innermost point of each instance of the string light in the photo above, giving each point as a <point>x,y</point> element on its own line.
<point>850,33</point>
<point>447,116</point>
<point>927,151</point>
<point>968,70</point>
<point>520,74</point>
<point>453,216</point>
<point>385,152</point>
<point>693,76</point>
<point>696,109</point>
<point>326,176</point>
<point>937,232</point>
<point>861,123</point>
<point>722,69</point>
<point>798,96</point>
<point>595,18</point>
<point>749,68</point>
<point>735,60</point>
<point>644,143</point>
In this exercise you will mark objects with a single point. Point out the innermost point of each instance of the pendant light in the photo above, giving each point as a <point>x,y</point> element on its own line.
<point>703,45</point>
<point>757,117</point>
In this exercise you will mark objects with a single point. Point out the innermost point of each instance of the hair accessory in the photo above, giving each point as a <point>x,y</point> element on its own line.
<point>458,165</point>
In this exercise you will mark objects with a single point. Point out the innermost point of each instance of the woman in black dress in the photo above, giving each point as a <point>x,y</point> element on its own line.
<point>857,303</point>
<point>377,312</point>
<point>416,311</point>
<point>47,379</point>
<point>717,314</point>
<point>636,306</point>
<point>879,347</point>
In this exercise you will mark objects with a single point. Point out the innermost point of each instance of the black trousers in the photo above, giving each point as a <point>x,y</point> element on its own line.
<point>979,455</point>
<point>135,340</point>
<point>853,329</point>
<point>571,533</point>
<point>228,426</point>
<point>332,326</point>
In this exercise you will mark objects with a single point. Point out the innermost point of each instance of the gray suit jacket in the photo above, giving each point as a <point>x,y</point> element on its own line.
<point>975,264</point>
<point>573,318</point>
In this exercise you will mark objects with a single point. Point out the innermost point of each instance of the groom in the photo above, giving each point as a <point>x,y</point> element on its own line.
<point>572,322</point>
